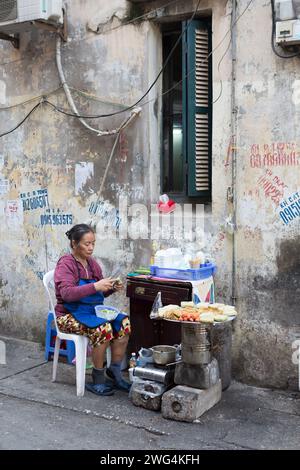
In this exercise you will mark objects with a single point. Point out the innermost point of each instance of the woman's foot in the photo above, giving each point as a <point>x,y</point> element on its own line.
<point>100,389</point>
<point>118,382</point>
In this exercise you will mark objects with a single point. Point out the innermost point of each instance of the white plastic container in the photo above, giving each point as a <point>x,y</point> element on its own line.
<point>171,258</point>
<point>284,10</point>
<point>109,313</point>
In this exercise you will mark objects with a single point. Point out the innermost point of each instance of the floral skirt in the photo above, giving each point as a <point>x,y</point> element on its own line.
<point>101,334</point>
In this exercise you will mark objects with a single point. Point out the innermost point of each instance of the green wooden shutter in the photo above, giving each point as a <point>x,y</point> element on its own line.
<point>197,108</point>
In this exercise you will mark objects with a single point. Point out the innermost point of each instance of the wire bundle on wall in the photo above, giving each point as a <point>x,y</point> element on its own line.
<point>133,108</point>
<point>75,114</point>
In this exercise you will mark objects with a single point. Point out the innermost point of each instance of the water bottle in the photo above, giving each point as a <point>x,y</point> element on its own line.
<point>132,360</point>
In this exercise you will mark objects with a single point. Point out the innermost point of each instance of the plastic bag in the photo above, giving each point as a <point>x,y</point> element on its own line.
<point>156,305</point>
<point>165,204</point>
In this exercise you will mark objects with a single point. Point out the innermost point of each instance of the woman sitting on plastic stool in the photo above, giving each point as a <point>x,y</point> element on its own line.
<point>79,286</point>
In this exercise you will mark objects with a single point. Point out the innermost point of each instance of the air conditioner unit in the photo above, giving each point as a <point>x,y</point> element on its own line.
<point>18,15</point>
<point>288,32</point>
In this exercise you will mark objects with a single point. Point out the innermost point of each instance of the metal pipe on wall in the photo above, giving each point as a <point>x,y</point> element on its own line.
<point>233,133</point>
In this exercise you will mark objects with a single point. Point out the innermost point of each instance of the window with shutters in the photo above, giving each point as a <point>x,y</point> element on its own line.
<point>187,114</point>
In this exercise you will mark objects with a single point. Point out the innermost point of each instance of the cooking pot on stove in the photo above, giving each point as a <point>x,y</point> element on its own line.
<point>163,354</point>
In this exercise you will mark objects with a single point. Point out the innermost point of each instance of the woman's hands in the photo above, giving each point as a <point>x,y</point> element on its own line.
<point>104,285</point>
<point>109,284</point>
<point>118,285</point>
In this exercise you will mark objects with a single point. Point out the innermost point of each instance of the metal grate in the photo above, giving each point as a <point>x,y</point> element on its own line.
<point>8,10</point>
<point>202,152</point>
<point>202,68</point>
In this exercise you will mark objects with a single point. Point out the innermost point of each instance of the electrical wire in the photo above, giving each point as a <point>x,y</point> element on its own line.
<point>292,56</point>
<point>23,120</point>
<point>104,32</point>
<point>100,133</point>
<point>175,85</point>
<point>69,94</point>
<point>30,100</point>
<point>219,64</point>
<point>125,123</point>
<point>149,89</point>
<point>97,98</point>
<point>227,49</point>
<point>209,55</point>
<point>49,93</point>
<point>142,104</point>
<point>145,15</point>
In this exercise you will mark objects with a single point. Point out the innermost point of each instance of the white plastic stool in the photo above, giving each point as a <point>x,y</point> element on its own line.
<point>81,343</point>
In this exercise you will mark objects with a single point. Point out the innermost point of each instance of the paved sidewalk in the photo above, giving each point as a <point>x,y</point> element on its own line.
<point>38,414</point>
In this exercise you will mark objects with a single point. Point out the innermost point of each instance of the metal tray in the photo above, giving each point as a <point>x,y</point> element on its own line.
<point>201,323</point>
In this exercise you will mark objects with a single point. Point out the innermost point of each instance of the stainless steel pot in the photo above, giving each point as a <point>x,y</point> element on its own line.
<point>196,344</point>
<point>164,354</point>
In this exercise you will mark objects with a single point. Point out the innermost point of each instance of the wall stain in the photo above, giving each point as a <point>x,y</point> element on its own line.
<point>275,296</point>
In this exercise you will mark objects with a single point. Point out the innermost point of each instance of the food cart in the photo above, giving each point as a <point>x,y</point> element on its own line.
<point>202,329</point>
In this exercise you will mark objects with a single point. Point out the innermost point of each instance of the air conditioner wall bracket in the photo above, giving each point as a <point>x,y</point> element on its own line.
<point>61,30</point>
<point>14,39</point>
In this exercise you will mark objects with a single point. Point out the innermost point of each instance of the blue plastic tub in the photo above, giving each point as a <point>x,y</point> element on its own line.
<point>186,274</point>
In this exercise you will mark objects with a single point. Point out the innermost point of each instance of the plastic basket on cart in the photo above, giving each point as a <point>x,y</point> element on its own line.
<point>204,272</point>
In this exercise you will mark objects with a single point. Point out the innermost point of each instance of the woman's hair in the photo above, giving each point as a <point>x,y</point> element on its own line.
<point>76,233</point>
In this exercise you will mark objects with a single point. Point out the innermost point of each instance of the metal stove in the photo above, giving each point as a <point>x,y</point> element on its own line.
<point>157,373</point>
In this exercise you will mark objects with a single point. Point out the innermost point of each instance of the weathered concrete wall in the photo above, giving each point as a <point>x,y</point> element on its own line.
<point>46,153</point>
<point>54,153</point>
<point>268,250</point>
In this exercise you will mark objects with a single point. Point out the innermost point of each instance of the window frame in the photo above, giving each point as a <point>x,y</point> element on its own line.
<point>190,196</point>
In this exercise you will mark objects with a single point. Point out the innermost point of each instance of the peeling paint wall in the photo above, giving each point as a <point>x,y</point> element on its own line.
<point>268,173</point>
<point>52,168</point>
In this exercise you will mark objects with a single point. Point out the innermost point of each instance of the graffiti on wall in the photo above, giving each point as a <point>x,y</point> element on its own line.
<point>252,234</point>
<point>219,242</point>
<point>252,193</point>
<point>40,274</point>
<point>4,186</point>
<point>14,213</point>
<point>4,183</point>
<point>273,187</point>
<point>39,199</point>
<point>290,208</point>
<point>125,189</point>
<point>33,200</point>
<point>109,215</point>
<point>278,154</point>
<point>57,217</point>
<point>32,262</point>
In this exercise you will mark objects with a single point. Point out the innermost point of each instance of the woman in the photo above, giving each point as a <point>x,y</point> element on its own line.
<point>79,286</point>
